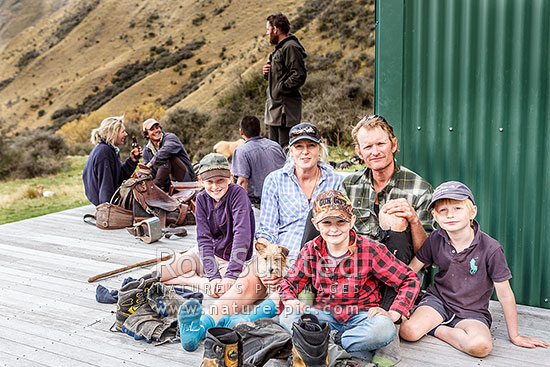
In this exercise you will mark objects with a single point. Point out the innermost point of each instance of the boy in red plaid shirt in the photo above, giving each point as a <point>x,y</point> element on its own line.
<point>344,267</point>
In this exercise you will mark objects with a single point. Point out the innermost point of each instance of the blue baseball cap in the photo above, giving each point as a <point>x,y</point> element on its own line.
<point>451,190</point>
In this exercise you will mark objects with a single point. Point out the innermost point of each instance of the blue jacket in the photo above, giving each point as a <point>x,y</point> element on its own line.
<point>226,231</point>
<point>169,146</point>
<point>104,172</point>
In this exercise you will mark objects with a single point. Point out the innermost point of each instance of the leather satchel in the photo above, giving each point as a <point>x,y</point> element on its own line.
<point>110,216</point>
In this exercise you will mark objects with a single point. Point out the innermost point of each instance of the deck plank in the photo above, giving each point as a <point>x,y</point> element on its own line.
<point>49,316</point>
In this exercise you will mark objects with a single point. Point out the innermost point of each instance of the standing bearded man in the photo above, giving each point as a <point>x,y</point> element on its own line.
<point>285,72</point>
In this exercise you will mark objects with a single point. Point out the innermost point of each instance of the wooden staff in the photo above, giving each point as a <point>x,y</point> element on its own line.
<point>136,265</point>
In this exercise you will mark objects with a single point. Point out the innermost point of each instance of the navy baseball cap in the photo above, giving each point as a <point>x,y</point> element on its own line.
<point>304,131</point>
<point>451,190</point>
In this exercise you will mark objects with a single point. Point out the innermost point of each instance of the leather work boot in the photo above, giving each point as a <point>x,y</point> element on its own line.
<point>132,296</point>
<point>310,339</point>
<point>223,347</point>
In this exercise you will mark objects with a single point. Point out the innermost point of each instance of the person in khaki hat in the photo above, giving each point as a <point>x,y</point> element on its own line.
<point>165,153</point>
<point>344,268</point>
<point>225,229</point>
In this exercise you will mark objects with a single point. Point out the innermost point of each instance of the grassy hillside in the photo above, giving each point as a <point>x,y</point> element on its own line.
<point>193,64</point>
<point>21,199</point>
<point>18,15</point>
<point>110,56</point>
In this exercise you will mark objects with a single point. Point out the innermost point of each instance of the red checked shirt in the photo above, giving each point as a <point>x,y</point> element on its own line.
<point>351,287</point>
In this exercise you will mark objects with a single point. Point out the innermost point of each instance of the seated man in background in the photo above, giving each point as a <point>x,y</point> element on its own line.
<point>255,159</point>
<point>165,154</point>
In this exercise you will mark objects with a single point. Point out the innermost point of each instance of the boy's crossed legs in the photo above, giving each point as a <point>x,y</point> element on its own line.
<point>470,336</point>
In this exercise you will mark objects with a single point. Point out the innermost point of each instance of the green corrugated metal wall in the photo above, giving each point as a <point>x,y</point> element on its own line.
<point>465,84</point>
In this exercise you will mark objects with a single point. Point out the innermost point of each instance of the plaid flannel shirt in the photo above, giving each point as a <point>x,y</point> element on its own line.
<point>353,285</point>
<point>404,183</point>
<point>285,206</point>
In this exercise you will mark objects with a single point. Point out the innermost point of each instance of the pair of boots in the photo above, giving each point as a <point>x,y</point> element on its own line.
<point>132,296</point>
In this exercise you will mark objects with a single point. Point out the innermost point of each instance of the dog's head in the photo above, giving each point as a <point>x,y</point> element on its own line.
<point>271,260</point>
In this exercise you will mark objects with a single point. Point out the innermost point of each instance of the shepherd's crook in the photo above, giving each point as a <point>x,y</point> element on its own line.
<point>136,265</point>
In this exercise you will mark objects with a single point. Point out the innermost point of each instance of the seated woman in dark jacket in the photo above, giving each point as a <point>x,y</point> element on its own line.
<point>104,172</point>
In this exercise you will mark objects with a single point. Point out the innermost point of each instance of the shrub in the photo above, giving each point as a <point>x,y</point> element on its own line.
<point>124,78</point>
<point>347,19</point>
<point>308,12</point>
<point>218,11</point>
<point>4,83</point>
<point>198,19</point>
<point>188,126</point>
<point>335,102</point>
<point>7,153</point>
<point>71,21</point>
<point>77,133</point>
<point>154,16</point>
<point>27,58</point>
<point>30,153</point>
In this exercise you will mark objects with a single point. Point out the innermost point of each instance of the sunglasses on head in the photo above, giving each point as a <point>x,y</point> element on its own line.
<point>306,130</point>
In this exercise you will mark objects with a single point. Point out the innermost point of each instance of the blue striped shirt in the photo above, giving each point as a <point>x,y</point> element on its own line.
<point>285,207</point>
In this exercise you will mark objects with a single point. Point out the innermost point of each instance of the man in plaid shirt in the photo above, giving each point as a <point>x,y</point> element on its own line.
<point>389,200</point>
<point>346,269</point>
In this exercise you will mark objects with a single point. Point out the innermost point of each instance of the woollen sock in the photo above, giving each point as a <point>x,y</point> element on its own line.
<point>265,309</point>
<point>192,325</point>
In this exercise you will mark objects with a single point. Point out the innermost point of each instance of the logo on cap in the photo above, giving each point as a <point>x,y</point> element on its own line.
<point>332,203</point>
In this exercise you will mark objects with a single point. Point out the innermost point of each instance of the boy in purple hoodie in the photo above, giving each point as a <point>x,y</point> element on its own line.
<point>225,231</point>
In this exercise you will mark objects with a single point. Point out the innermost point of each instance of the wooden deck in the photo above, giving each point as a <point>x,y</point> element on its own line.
<point>49,315</point>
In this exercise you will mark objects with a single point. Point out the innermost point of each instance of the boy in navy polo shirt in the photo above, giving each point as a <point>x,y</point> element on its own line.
<point>471,264</point>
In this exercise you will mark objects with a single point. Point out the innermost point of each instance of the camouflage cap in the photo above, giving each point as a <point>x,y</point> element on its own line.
<point>332,203</point>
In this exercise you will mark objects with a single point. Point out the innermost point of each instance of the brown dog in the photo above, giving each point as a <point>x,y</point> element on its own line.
<point>272,260</point>
<point>226,148</point>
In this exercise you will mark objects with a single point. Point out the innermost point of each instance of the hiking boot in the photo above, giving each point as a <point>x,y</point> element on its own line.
<point>310,339</point>
<point>132,296</point>
<point>223,347</point>
<point>164,300</point>
<point>145,324</point>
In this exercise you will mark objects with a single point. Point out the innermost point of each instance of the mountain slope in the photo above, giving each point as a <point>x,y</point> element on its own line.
<point>113,55</point>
